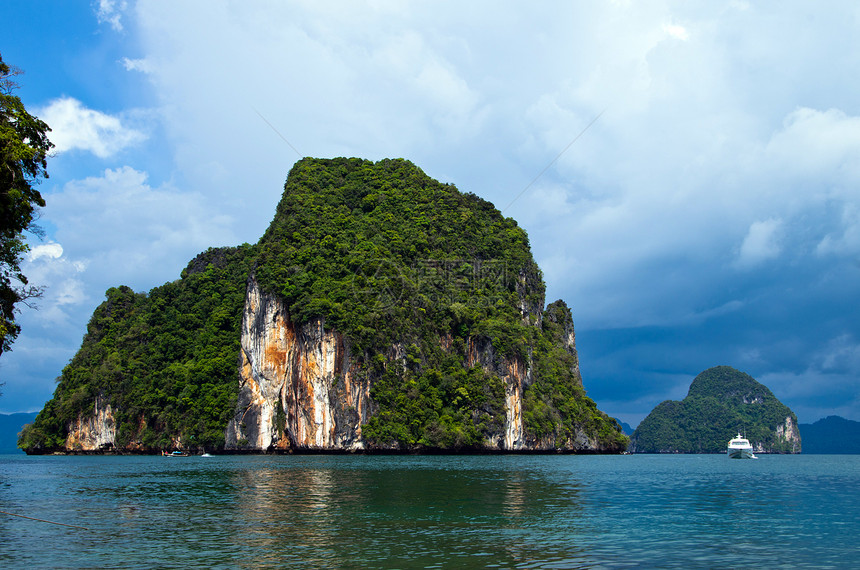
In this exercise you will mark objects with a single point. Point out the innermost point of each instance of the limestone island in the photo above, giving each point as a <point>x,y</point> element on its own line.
<point>381,311</point>
<point>721,402</point>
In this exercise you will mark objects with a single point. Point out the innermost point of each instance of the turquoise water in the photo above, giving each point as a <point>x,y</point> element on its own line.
<point>698,511</point>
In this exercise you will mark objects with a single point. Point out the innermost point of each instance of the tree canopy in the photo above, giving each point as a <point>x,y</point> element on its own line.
<point>24,148</point>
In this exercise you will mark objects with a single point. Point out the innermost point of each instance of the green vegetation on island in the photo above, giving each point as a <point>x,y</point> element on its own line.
<point>385,255</point>
<point>165,362</point>
<point>721,402</point>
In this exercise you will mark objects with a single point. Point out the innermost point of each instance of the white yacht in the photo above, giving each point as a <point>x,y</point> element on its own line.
<point>740,448</point>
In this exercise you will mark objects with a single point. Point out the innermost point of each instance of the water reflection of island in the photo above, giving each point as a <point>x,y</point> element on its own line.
<point>403,511</point>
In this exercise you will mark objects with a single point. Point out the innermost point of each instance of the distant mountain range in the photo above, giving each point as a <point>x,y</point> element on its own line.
<point>10,426</point>
<point>831,435</point>
<point>626,429</point>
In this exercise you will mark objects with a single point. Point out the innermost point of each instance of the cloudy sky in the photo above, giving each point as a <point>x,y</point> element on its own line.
<point>709,215</point>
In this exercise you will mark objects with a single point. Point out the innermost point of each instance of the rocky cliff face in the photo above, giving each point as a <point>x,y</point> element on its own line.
<point>301,389</point>
<point>515,375</point>
<point>93,433</point>
<point>787,434</point>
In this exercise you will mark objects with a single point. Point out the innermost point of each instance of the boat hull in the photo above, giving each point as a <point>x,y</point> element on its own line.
<point>741,454</point>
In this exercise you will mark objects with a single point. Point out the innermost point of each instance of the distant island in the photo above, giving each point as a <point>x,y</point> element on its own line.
<point>10,426</point>
<point>721,402</point>
<point>832,434</point>
<point>381,311</point>
<point>626,429</point>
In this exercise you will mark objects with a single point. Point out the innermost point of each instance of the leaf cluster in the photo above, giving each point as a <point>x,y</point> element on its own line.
<point>24,148</point>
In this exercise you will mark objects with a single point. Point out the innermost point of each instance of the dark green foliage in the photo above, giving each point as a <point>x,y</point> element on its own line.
<point>451,408</point>
<point>165,362</point>
<point>24,148</point>
<point>721,402</point>
<point>555,405</point>
<point>384,252</point>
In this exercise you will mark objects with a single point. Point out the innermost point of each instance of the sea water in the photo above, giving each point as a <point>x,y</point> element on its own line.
<point>489,511</point>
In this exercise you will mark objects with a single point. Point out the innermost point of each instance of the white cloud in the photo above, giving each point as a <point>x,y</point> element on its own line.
<point>128,232</point>
<point>761,243</point>
<point>49,267</point>
<point>724,309</point>
<point>841,354</point>
<point>141,65</point>
<point>813,142</point>
<point>676,31</point>
<point>110,12</point>
<point>50,250</point>
<point>844,239</point>
<point>73,126</point>
<point>696,158</point>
